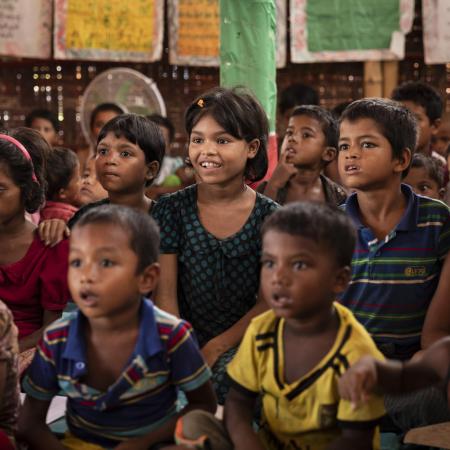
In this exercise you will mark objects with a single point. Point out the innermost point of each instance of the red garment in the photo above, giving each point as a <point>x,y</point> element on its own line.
<point>57,210</point>
<point>35,283</point>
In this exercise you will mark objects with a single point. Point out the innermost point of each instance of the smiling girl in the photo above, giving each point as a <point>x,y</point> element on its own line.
<point>210,241</point>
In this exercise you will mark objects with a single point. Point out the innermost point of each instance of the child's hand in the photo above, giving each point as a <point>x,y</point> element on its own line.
<point>211,352</point>
<point>282,173</point>
<point>53,231</point>
<point>359,381</point>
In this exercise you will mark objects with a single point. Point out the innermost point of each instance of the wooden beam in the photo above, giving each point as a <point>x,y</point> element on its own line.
<point>390,77</point>
<point>433,435</point>
<point>373,79</point>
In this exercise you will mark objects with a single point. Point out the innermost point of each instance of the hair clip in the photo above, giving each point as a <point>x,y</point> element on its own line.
<point>201,103</point>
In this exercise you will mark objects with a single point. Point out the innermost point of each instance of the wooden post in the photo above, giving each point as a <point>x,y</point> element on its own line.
<point>390,77</point>
<point>373,79</point>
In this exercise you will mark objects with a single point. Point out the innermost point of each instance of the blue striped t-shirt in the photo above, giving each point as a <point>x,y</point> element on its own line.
<point>394,279</point>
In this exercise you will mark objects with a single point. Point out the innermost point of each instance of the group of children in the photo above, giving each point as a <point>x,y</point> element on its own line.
<point>266,309</point>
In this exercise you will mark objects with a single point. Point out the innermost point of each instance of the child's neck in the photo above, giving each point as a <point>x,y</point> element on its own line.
<point>136,200</point>
<point>218,193</point>
<point>382,209</point>
<point>308,177</point>
<point>321,323</point>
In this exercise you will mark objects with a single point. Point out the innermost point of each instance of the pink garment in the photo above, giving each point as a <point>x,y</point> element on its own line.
<point>57,210</point>
<point>9,397</point>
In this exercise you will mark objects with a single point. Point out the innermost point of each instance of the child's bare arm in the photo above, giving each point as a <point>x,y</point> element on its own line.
<point>437,320</point>
<point>53,231</point>
<point>239,410</point>
<point>32,426</point>
<point>31,340</point>
<point>201,398</point>
<point>166,296</point>
<point>352,438</point>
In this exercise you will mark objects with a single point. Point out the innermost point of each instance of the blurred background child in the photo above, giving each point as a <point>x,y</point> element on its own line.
<point>46,123</point>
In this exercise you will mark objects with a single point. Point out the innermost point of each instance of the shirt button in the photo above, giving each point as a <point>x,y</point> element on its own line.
<point>79,365</point>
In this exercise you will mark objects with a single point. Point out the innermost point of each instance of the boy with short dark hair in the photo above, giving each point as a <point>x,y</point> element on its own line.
<point>46,123</point>
<point>120,360</point>
<point>426,104</point>
<point>426,176</point>
<point>401,264</point>
<point>63,185</point>
<point>309,145</point>
<point>294,354</point>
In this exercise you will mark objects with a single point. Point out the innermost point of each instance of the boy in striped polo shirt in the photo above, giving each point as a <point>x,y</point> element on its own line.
<point>120,360</point>
<point>400,264</point>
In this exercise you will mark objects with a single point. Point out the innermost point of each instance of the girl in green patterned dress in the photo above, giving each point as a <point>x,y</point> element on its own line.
<point>210,239</point>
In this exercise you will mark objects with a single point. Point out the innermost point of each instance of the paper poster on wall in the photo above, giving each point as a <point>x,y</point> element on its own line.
<point>436,31</point>
<point>112,30</point>
<point>26,28</point>
<point>194,32</point>
<point>332,30</point>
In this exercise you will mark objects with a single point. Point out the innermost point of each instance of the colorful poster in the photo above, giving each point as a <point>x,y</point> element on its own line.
<point>26,28</point>
<point>332,30</point>
<point>194,32</point>
<point>436,31</point>
<point>112,30</point>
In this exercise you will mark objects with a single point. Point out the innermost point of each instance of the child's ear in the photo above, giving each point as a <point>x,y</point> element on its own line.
<point>442,192</point>
<point>403,161</point>
<point>253,147</point>
<point>148,278</point>
<point>61,196</point>
<point>152,170</point>
<point>329,154</point>
<point>434,125</point>
<point>343,277</point>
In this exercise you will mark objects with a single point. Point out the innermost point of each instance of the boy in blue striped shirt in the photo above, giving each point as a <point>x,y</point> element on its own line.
<point>400,267</point>
<point>120,360</point>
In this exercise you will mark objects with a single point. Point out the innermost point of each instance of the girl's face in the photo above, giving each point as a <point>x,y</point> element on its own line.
<point>11,204</point>
<point>216,155</point>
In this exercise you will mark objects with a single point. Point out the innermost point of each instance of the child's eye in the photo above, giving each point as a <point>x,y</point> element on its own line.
<point>222,141</point>
<point>196,140</point>
<point>267,263</point>
<point>306,135</point>
<point>299,265</point>
<point>424,188</point>
<point>106,263</point>
<point>75,262</point>
<point>102,151</point>
<point>289,133</point>
<point>125,154</point>
<point>367,145</point>
<point>343,147</point>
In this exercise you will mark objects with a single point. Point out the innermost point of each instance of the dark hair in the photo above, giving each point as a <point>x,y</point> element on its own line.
<point>141,228</point>
<point>140,131</point>
<point>433,167</point>
<point>61,165</point>
<point>422,94</point>
<point>20,170</point>
<point>102,107</point>
<point>163,122</point>
<point>42,114</point>
<point>241,115</point>
<point>38,148</point>
<point>325,224</point>
<point>395,122</point>
<point>339,109</point>
<point>296,95</point>
<point>328,123</point>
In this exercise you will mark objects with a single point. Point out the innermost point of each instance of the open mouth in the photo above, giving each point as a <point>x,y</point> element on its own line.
<point>210,165</point>
<point>351,168</point>
<point>88,298</point>
<point>281,300</point>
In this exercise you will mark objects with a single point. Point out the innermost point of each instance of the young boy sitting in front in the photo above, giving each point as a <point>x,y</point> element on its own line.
<point>120,360</point>
<point>310,143</point>
<point>63,185</point>
<point>425,177</point>
<point>294,354</point>
<point>400,265</point>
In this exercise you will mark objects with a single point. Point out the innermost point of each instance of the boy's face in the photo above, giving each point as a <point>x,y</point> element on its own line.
<point>365,156</point>
<point>45,127</point>
<point>426,128</point>
<point>442,138</point>
<point>91,189</point>
<point>299,278</point>
<point>121,166</point>
<point>102,271</point>
<point>304,142</point>
<point>101,119</point>
<point>422,184</point>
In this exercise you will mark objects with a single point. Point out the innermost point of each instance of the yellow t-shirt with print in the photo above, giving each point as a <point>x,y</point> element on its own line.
<point>307,414</point>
